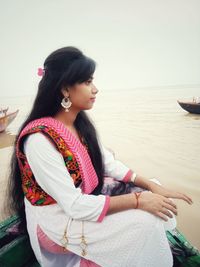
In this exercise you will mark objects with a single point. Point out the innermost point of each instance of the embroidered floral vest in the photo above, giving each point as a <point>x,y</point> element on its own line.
<point>74,153</point>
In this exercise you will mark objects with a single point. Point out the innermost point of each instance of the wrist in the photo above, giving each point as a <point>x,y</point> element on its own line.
<point>151,186</point>
<point>137,195</point>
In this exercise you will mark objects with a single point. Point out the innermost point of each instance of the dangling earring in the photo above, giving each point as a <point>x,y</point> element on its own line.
<point>66,103</point>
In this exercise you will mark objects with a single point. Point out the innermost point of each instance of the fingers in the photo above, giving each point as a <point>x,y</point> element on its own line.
<point>185,198</point>
<point>162,216</point>
<point>170,202</point>
<point>168,207</point>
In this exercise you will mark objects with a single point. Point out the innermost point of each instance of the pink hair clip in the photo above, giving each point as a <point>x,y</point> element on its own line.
<point>40,72</point>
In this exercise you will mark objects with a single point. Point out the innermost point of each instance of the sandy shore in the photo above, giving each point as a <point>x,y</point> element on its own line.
<point>6,139</point>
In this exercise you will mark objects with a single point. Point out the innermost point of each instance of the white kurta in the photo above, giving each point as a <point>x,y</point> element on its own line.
<point>129,238</point>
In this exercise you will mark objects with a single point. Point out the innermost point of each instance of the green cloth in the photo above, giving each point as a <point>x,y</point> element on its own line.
<point>193,261</point>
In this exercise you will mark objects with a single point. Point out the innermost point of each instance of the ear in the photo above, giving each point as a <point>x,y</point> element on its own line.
<point>65,92</point>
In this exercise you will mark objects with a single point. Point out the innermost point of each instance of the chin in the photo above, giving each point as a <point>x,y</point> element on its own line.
<point>88,107</point>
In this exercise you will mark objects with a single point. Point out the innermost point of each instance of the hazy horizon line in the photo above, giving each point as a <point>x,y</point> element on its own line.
<point>171,86</point>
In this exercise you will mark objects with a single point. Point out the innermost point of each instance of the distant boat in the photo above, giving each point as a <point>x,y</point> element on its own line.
<point>190,106</point>
<point>6,118</point>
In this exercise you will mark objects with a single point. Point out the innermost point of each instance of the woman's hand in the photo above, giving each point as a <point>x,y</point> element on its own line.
<point>160,190</point>
<point>157,205</point>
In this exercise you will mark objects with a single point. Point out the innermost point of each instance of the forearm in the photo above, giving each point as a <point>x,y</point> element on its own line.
<point>142,182</point>
<point>121,203</point>
<point>127,201</point>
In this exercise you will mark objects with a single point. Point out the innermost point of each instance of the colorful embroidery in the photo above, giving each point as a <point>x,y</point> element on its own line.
<point>33,192</point>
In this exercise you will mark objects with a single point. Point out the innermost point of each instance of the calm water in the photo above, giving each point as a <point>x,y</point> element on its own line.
<point>149,132</point>
<point>152,132</point>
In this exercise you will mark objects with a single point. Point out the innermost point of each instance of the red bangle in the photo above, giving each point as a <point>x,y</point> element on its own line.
<point>137,195</point>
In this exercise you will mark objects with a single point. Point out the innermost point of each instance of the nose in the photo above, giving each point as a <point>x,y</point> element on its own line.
<point>94,89</point>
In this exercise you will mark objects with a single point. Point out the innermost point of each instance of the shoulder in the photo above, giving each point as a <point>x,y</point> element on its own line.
<point>36,138</point>
<point>39,142</point>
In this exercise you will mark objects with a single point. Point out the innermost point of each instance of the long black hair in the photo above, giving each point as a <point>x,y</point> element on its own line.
<point>64,67</point>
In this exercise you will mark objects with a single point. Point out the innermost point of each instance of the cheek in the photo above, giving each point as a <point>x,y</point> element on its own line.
<point>80,100</point>
<point>81,96</point>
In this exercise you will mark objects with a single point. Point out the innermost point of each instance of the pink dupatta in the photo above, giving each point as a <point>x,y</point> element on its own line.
<point>88,174</point>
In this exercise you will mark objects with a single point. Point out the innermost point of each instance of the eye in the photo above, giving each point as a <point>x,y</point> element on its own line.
<point>88,82</point>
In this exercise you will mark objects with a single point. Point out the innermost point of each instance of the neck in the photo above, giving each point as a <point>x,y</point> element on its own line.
<point>67,118</point>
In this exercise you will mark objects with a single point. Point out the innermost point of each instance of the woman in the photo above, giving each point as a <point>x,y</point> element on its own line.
<point>58,179</point>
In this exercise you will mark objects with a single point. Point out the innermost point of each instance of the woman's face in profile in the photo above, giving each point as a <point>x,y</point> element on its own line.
<point>83,95</point>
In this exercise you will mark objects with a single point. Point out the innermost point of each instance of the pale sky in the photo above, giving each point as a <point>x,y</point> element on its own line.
<point>135,43</point>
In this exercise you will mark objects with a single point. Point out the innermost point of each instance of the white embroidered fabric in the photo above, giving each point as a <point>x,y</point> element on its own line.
<point>132,238</point>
